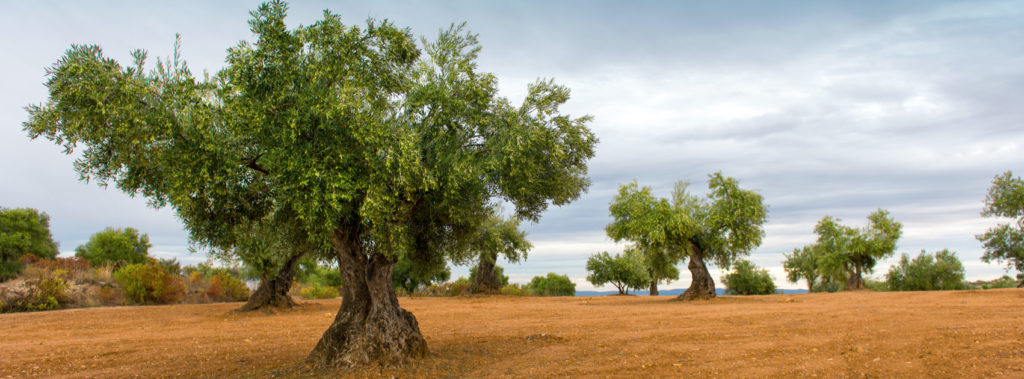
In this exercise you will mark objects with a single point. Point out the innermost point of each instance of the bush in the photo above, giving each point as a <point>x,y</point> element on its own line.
<point>459,287</point>
<point>1004,282</point>
<point>45,289</point>
<point>149,284</point>
<point>747,279</point>
<point>876,285</point>
<point>515,290</point>
<point>927,272</point>
<point>225,287</point>
<point>316,291</point>
<point>323,276</point>
<point>552,285</point>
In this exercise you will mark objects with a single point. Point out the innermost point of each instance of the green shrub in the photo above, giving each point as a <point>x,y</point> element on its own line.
<point>552,285</point>
<point>747,279</point>
<point>459,287</point>
<point>149,283</point>
<point>876,285</point>
<point>1004,282</point>
<point>316,291</point>
<point>117,246</point>
<point>515,290</point>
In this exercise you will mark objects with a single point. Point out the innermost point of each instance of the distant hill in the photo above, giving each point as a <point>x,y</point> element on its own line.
<point>671,292</point>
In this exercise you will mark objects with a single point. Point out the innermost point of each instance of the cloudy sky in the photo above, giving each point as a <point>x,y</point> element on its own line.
<point>825,108</point>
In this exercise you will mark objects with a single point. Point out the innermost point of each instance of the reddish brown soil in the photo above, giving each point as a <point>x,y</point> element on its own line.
<point>936,334</point>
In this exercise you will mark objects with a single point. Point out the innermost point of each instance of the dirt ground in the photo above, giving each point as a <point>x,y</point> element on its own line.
<point>931,334</point>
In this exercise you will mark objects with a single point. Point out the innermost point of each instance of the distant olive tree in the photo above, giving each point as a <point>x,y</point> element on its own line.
<point>118,247</point>
<point>802,264</point>
<point>721,226</point>
<point>927,272</point>
<point>845,252</point>
<point>624,271</point>
<point>1005,242</point>
<point>747,279</point>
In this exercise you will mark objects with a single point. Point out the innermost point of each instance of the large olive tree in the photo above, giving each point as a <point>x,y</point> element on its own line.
<point>721,226</point>
<point>849,252</point>
<point>382,148</point>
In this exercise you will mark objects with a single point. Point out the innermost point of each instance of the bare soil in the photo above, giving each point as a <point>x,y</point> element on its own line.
<point>859,334</point>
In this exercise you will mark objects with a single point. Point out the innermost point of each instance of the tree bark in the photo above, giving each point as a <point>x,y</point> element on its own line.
<point>273,292</point>
<point>1021,284</point>
<point>654,288</point>
<point>702,286</point>
<point>485,281</point>
<point>370,327</point>
<point>856,281</point>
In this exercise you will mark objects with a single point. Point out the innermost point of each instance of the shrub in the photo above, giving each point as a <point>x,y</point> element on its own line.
<point>552,285</point>
<point>459,287</point>
<point>927,272</point>
<point>149,284</point>
<point>316,291</point>
<point>225,287</point>
<point>44,289</point>
<point>1004,282</point>
<point>747,279</point>
<point>515,290</point>
<point>876,285</point>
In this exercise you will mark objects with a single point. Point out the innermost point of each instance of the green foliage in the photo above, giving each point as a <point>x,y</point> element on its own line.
<point>116,246</point>
<point>149,283</point>
<point>499,272</point>
<point>803,264</point>
<point>515,290</point>
<point>552,285</point>
<point>1005,242</point>
<point>25,231</point>
<point>10,269</point>
<point>624,271</point>
<point>316,291</point>
<point>458,287</point>
<point>317,273</point>
<point>927,272</point>
<point>410,277</point>
<point>876,285</point>
<point>355,131</point>
<point>46,289</point>
<point>845,253</point>
<point>1003,282</point>
<point>747,279</point>
<point>723,226</point>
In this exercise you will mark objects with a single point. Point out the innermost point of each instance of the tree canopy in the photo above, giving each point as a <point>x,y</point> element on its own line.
<point>25,231</point>
<point>802,264</point>
<point>624,271</point>
<point>722,226</point>
<point>927,272</point>
<point>119,247</point>
<point>848,252</point>
<point>381,147</point>
<point>1005,242</point>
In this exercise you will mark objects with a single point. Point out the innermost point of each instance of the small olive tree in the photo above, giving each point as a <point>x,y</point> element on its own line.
<point>927,272</point>
<point>1005,242</point>
<point>747,279</point>
<point>624,271</point>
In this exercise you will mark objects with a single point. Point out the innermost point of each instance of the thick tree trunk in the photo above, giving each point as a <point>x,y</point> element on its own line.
<point>810,285</point>
<point>702,286</point>
<point>273,292</point>
<point>1021,284</point>
<point>485,281</point>
<point>370,326</point>
<point>654,288</point>
<point>856,281</point>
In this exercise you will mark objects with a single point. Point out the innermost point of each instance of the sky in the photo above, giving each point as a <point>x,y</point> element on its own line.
<point>825,108</point>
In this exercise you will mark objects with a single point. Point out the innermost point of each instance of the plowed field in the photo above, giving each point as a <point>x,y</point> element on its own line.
<point>937,334</point>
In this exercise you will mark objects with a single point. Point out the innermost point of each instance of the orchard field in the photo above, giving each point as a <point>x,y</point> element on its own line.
<point>853,334</point>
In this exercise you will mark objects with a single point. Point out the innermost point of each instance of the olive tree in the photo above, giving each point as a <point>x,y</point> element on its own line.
<point>1005,242</point>
<point>802,264</point>
<point>624,271</point>
<point>495,236</point>
<point>941,270</point>
<point>852,252</point>
<point>747,279</point>
<point>721,226</point>
<point>382,148</point>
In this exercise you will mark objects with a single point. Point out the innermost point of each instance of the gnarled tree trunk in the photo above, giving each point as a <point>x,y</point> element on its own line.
<point>273,292</point>
<point>370,326</point>
<point>654,288</point>
<point>701,285</point>
<point>1021,284</point>
<point>486,281</point>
